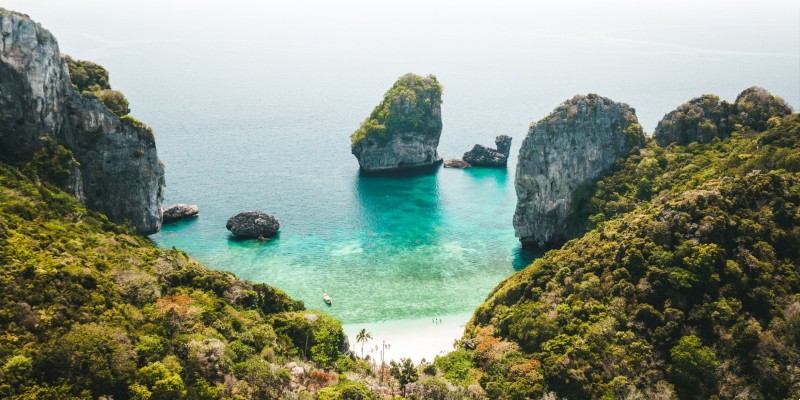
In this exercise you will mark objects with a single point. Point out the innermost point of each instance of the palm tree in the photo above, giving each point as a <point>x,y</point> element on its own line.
<point>363,337</point>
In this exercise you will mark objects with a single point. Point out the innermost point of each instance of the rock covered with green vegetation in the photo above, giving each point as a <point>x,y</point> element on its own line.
<point>706,117</point>
<point>698,120</point>
<point>403,131</point>
<point>754,108</point>
<point>89,309</point>
<point>114,167</point>
<point>686,284</point>
<point>562,154</point>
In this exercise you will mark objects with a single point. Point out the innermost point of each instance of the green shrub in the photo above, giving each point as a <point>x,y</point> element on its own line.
<point>115,101</point>
<point>86,75</point>
<point>457,366</point>
<point>346,390</point>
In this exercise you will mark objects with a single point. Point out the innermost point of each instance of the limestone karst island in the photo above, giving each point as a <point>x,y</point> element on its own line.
<point>418,200</point>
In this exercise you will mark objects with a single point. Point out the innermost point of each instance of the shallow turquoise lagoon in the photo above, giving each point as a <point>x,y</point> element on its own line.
<point>384,248</point>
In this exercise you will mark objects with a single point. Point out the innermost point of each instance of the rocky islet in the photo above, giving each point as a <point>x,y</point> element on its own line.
<point>253,225</point>
<point>481,156</point>
<point>403,131</point>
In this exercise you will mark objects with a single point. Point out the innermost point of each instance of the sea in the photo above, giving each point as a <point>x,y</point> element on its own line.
<point>253,104</point>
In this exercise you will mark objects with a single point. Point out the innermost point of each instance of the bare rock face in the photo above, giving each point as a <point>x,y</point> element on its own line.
<point>177,212</point>
<point>481,156</point>
<point>579,141</point>
<point>403,131</point>
<point>116,169</point>
<point>456,163</point>
<point>253,224</point>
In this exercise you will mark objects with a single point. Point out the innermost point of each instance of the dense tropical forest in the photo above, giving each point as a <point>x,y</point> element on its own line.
<point>686,283</point>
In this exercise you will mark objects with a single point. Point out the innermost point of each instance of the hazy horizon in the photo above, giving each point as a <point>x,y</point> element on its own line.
<point>553,51</point>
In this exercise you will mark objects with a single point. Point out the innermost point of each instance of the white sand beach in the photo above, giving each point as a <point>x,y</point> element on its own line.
<point>415,338</point>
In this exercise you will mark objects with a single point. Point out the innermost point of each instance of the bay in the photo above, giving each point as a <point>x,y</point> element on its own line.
<point>253,105</point>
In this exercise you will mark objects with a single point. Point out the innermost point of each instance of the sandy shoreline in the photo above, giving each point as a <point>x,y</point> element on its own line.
<point>414,338</point>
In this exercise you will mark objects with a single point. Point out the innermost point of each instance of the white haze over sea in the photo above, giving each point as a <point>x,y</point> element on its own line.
<point>252,103</point>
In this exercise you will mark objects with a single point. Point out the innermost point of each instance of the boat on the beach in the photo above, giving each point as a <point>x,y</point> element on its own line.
<point>326,298</point>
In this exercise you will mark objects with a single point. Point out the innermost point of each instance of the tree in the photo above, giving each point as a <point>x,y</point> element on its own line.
<point>95,357</point>
<point>693,368</point>
<point>363,337</point>
<point>405,372</point>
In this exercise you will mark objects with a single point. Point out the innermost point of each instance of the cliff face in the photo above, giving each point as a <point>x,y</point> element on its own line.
<point>405,150</point>
<point>572,146</point>
<point>403,131</point>
<point>117,172</point>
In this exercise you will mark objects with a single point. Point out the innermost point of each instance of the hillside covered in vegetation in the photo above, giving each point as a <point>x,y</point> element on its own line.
<point>686,284</point>
<point>88,309</point>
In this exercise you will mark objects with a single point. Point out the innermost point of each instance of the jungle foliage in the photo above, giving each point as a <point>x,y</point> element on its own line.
<point>686,284</point>
<point>88,309</point>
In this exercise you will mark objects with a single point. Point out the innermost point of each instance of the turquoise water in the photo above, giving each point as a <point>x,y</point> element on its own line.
<point>383,248</point>
<point>253,102</point>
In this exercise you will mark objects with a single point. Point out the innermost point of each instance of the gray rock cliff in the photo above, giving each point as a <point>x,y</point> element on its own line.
<point>117,170</point>
<point>481,156</point>
<point>403,131</point>
<point>579,141</point>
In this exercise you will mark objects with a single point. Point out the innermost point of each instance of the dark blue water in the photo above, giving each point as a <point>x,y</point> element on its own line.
<point>253,105</point>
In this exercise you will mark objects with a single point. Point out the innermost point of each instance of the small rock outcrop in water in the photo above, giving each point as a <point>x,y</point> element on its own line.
<point>253,224</point>
<point>40,110</point>
<point>481,156</point>
<point>456,163</point>
<point>177,212</point>
<point>573,145</point>
<point>403,131</point>
<point>706,117</point>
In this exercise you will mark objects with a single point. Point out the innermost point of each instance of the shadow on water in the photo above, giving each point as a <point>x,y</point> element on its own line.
<point>179,225</point>
<point>500,175</point>
<point>255,243</point>
<point>426,170</point>
<point>403,209</point>
<point>524,256</point>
